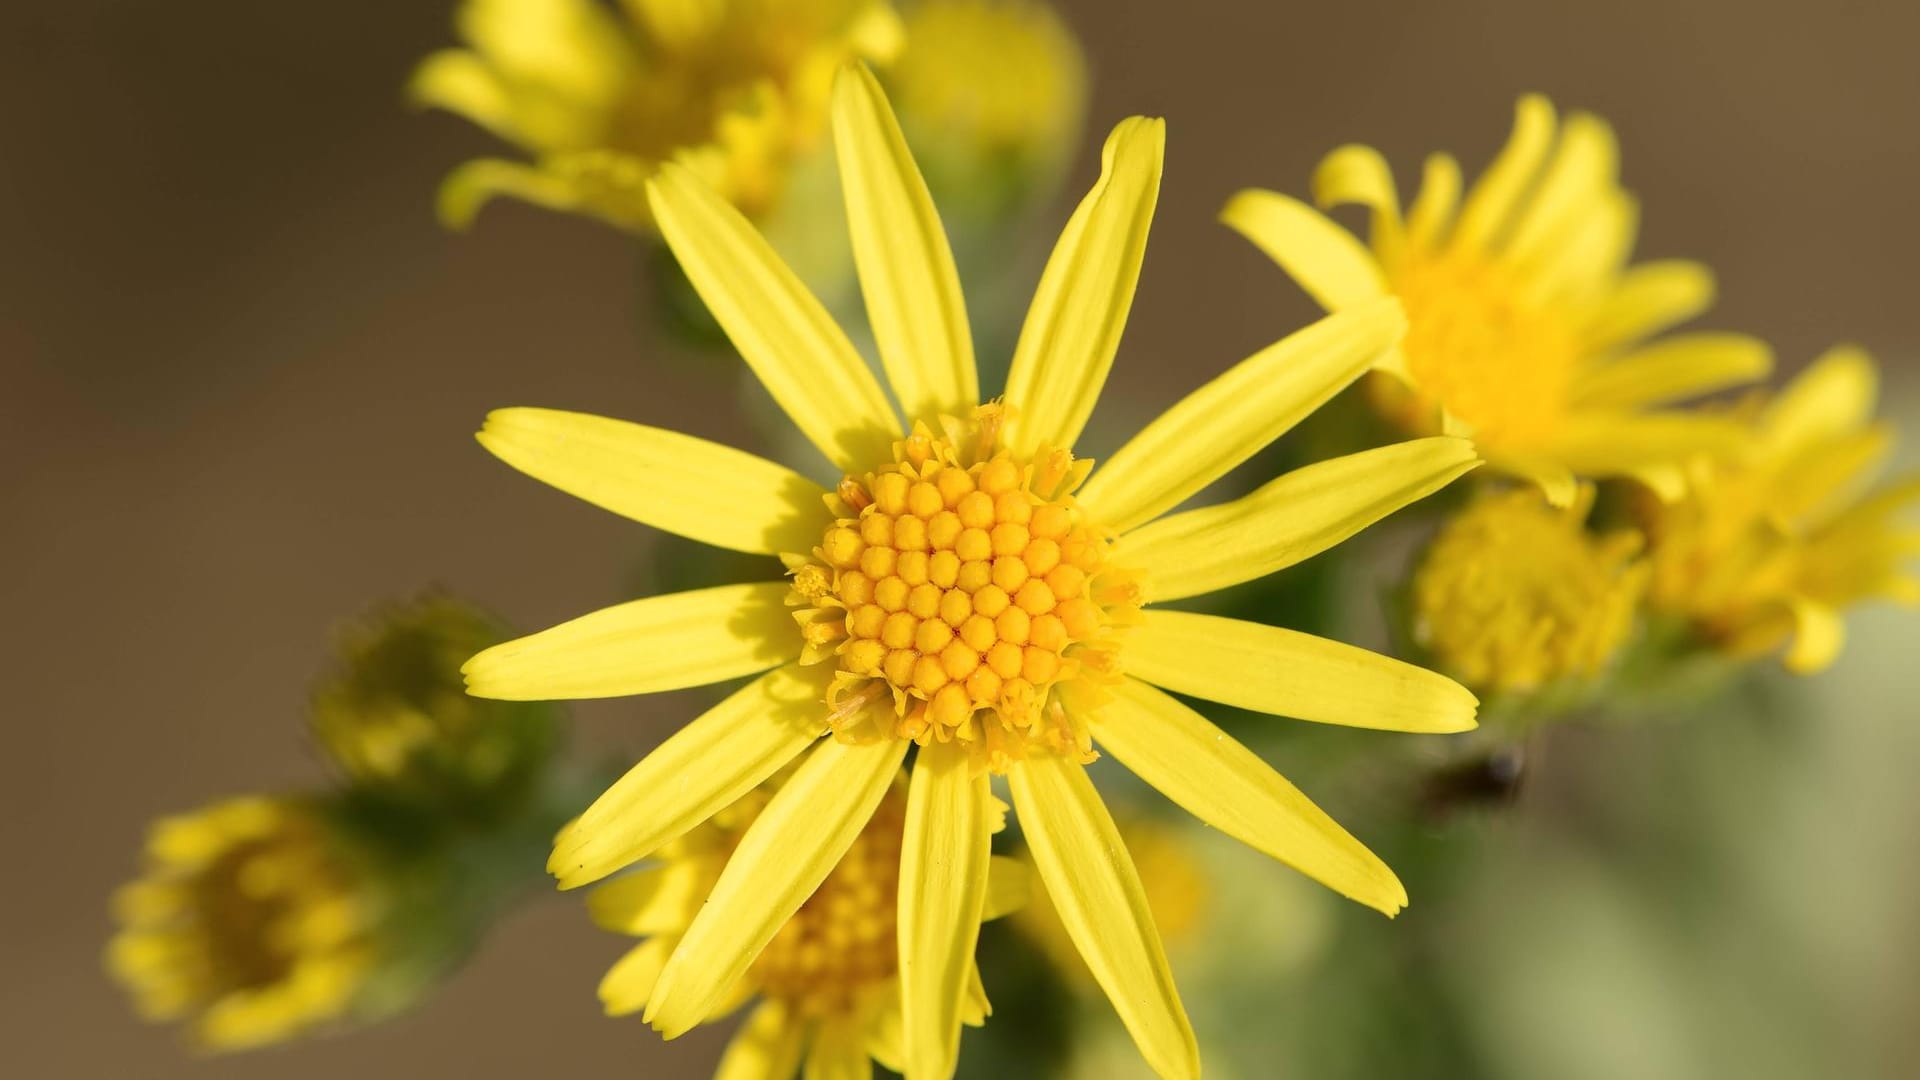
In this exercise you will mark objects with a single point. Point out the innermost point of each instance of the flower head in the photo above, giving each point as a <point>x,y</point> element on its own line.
<point>1769,546</point>
<point>1527,330</point>
<point>828,982</point>
<point>393,709</point>
<point>1514,594</point>
<point>735,89</point>
<point>251,922</point>
<point>1052,665</point>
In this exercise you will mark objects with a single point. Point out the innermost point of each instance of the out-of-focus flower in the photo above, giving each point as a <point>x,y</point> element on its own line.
<point>393,711</point>
<point>961,588</point>
<point>1514,594</point>
<point>1178,889</point>
<point>735,90</point>
<point>1770,546</point>
<point>992,95</point>
<point>828,980</point>
<point>1526,330</point>
<point>252,922</point>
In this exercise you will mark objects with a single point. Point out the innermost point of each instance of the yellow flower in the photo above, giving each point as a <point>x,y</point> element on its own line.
<point>1514,594</point>
<point>1526,329</point>
<point>1768,547</point>
<point>249,922</point>
<point>828,980</point>
<point>734,89</point>
<point>969,587</point>
<point>992,93</point>
<point>393,710</point>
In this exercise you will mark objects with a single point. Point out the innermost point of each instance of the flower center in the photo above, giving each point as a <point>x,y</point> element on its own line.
<point>1480,347</point>
<point>966,586</point>
<point>841,943</point>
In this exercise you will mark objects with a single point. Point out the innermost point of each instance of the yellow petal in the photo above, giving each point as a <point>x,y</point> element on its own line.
<point>1359,175</point>
<point>1555,481</point>
<point>782,331</point>
<point>1674,368</point>
<point>678,25</point>
<point>461,82</point>
<point>1609,444</point>
<point>656,900</point>
<point>839,1052</point>
<point>1272,670</point>
<point>629,983</point>
<point>1649,298</point>
<point>1431,215</point>
<point>906,267</point>
<point>1080,308</point>
<point>469,188</point>
<point>1290,519</point>
<point>1008,887</point>
<point>767,1047</point>
<point>1497,196</point>
<point>1835,396</point>
<point>1221,782</point>
<point>1229,419</point>
<point>1093,885</point>
<point>697,489</point>
<point>886,1043</point>
<point>1334,267</point>
<point>783,857</point>
<point>572,52</point>
<point>699,770</point>
<point>943,887</point>
<point>1575,183</point>
<point>1818,636</point>
<point>644,646</point>
<point>977,1008</point>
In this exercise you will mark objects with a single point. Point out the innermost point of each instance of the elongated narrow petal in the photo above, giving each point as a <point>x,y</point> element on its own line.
<point>1080,307</point>
<point>783,857</point>
<point>769,1046</point>
<point>1228,420</point>
<point>1221,782</point>
<point>1675,368</point>
<point>1572,185</point>
<point>1355,174</point>
<point>1093,885</point>
<point>900,249</point>
<point>701,769</point>
<point>629,983</point>
<point>1604,444</point>
<point>691,487</point>
<point>459,81</point>
<point>1273,670</point>
<point>1496,197</point>
<point>1431,215</point>
<point>656,900</point>
<point>1833,397</point>
<point>943,888</point>
<point>1650,298</point>
<point>1333,266</point>
<point>781,329</point>
<point>839,1052</point>
<point>468,189</point>
<point>1553,478</point>
<point>1291,518</point>
<point>643,647</point>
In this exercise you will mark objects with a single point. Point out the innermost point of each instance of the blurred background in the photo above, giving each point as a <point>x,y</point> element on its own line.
<point>242,365</point>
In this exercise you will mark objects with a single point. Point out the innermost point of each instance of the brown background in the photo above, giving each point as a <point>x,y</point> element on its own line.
<point>241,365</point>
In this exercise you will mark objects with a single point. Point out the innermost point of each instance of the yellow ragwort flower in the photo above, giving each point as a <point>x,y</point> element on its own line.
<point>1514,594</point>
<point>734,89</point>
<point>969,587</point>
<point>1526,329</point>
<point>1770,546</point>
<point>249,922</point>
<point>992,93</point>
<point>828,981</point>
